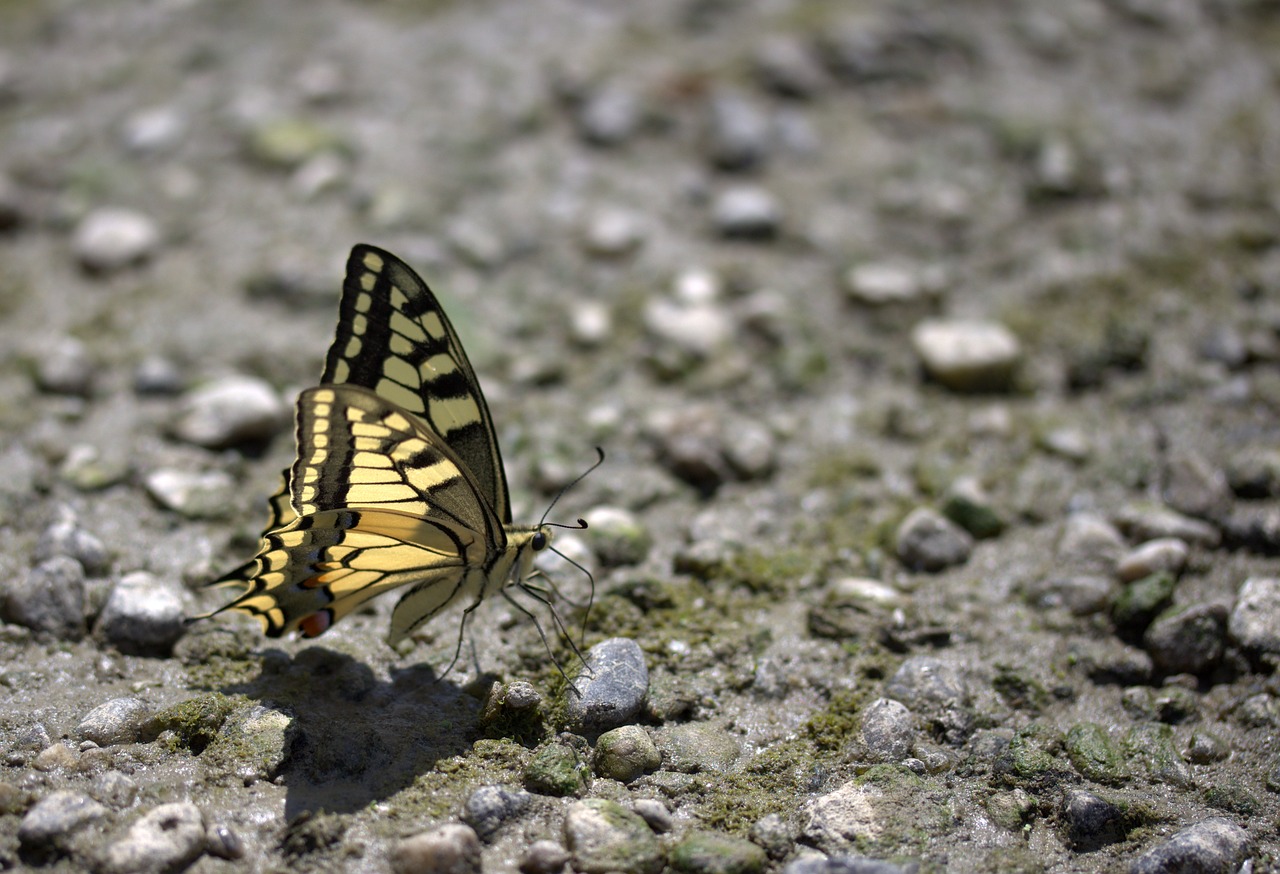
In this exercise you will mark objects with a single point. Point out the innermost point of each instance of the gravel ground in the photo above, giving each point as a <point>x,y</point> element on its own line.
<point>933,348</point>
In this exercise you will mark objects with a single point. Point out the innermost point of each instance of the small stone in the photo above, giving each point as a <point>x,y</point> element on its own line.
<point>230,411</point>
<point>142,616</point>
<point>698,329</point>
<point>248,745</point>
<point>157,375</point>
<point>66,537</point>
<point>746,212</point>
<point>928,541</point>
<point>477,242</point>
<point>222,842</point>
<point>1205,747</point>
<point>452,848</point>
<point>772,834</point>
<point>786,66</point>
<point>832,822</point>
<point>118,721</point>
<point>1167,554</point>
<point>1142,600</point>
<point>1211,845</point>
<point>153,131</point>
<point>655,813</point>
<point>738,133</point>
<point>881,283</point>
<point>612,687</point>
<point>1094,755</point>
<point>1067,442</point>
<point>55,818</point>
<point>613,233</point>
<point>1255,618</point>
<point>1187,640</point>
<point>192,494</point>
<point>696,747</point>
<point>49,598</point>
<point>544,857</point>
<point>617,536</point>
<point>935,690</point>
<point>115,790</point>
<point>288,143</point>
<point>968,356</point>
<point>750,449</point>
<point>1255,474</point>
<point>1195,487</point>
<point>602,836</point>
<point>320,174</point>
<point>64,367</point>
<point>967,504</point>
<point>1090,822</point>
<point>887,730</point>
<point>590,323</point>
<point>56,757</point>
<point>625,753</point>
<point>110,239</point>
<point>486,809</point>
<point>557,769</point>
<point>168,838</point>
<point>609,117</point>
<point>86,469</point>
<point>1151,521</point>
<point>704,852</point>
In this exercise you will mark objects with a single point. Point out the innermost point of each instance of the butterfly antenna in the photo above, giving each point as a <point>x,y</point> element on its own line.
<point>591,598</point>
<point>542,634</point>
<point>579,478</point>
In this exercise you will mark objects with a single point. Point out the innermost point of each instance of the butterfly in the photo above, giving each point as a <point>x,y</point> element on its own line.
<point>398,482</point>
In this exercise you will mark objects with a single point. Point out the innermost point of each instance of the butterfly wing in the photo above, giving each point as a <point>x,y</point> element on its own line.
<point>381,502</point>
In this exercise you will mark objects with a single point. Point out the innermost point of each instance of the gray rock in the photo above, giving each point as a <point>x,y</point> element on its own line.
<point>283,143</point>
<point>452,848</point>
<point>152,131</point>
<point>66,537</point>
<point>544,857</point>
<point>53,821</point>
<point>617,536</point>
<point>936,690</point>
<point>1090,821</point>
<point>787,66</point>
<point>591,323</point>
<point>613,233</point>
<point>928,541</point>
<point>612,686</point>
<point>883,283</point>
<point>557,768</point>
<point>1214,845</point>
<point>65,367</point>
<point>1187,640</point>
<point>746,212</point>
<point>1197,488</point>
<point>697,329</point>
<point>167,838</point>
<point>1255,618</point>
<point>115,789</point>
<point>110,239</point>
<point>834,821</point>
<point>655,813</point>
<point>251,745</point>
<point>486,809</point>
<point>191,493</point>
<point>887,730</point>
<point>142,616</point>
<point>738,132</point>
<point>772,833</point>
<point>842,864</point>
<point>602,836</point>
<point>1168,554</point>
<point>87,468</point>
<point>1151,521</point>
<point>117,721</point>
<point>609,116</point>
<point>695,747</point>
<point>968,356</point>
<point>705,852</point>
<point>230,411</point>
<point>625,753</point>
<point>50,598</point>
<point>750,449</point>
<point>223,843</point>
<point>157,375</point>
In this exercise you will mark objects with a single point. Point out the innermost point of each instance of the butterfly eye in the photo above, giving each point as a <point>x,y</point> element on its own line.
<point>539,541</point>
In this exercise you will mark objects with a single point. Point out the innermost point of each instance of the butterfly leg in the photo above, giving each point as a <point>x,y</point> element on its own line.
<point>462,631</point>
<point>542,598</point>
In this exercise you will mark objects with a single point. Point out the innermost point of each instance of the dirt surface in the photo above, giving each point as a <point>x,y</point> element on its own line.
<point>666,229</point>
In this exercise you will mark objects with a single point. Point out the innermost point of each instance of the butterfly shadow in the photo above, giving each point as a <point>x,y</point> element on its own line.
<point>355,739</point>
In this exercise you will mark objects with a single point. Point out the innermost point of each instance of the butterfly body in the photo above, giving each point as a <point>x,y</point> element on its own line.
<point>398,483</point>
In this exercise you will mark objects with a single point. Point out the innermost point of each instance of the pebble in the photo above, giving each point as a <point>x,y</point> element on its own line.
<point>153,131</point>
<point>190,493</point>
<point>1168,554</point>
<point>625,754</point>
<point>223,843</point>
<point>655,813</point>
<point>14,209</point>
<point>617,535</point>
<point>772,833</point>
<point>64,367</point>
<point>698,329</point>
<point>544,857</point>
<point>250,746</point>
<point>56,757</point>
<point>110,239</point>
<point>486,809</point>
<point>612,687</point>
<point>706,852</point>
<point>968,504</point>
<point>1255,474</point>
<point>591,323</point>
<point>157,375</point>
<point>750,449</point>
<point>1215,844</point>
<point>613,233</point>
<point>738,133</point>
<point>697,747</point>
<point>936,690</point>
<point>142,616</point>
<point>230,411</point>
<point>966,355</point>
<point>87,469</point>
<point>1187,640</point>
<point>883,283</point>
<point>65,537</point>
<point>1090,821</point>
<point>167,838</point>
<point>787,67</point>
<point>842,864</point>
<point>1255,618</point>
<point>746,212</point>
<point>288,143</point>
<point>928,541</point>
<point>1082,594</point>
<point>834,821</point>
<point>1152,521</point>
<point>118,721</point>
<point>602,836</point>
<point>115,789</point>
<point>1197,488</point>
<point>557,769</point>
<point>452,848</point>
<point>609,116</point>
<point>1067,442</point>
<point>55,818</point>
<point>887,730</point>
<point>49,598</point>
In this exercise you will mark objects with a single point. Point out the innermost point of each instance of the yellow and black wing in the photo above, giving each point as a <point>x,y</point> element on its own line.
<point>381,502</point>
